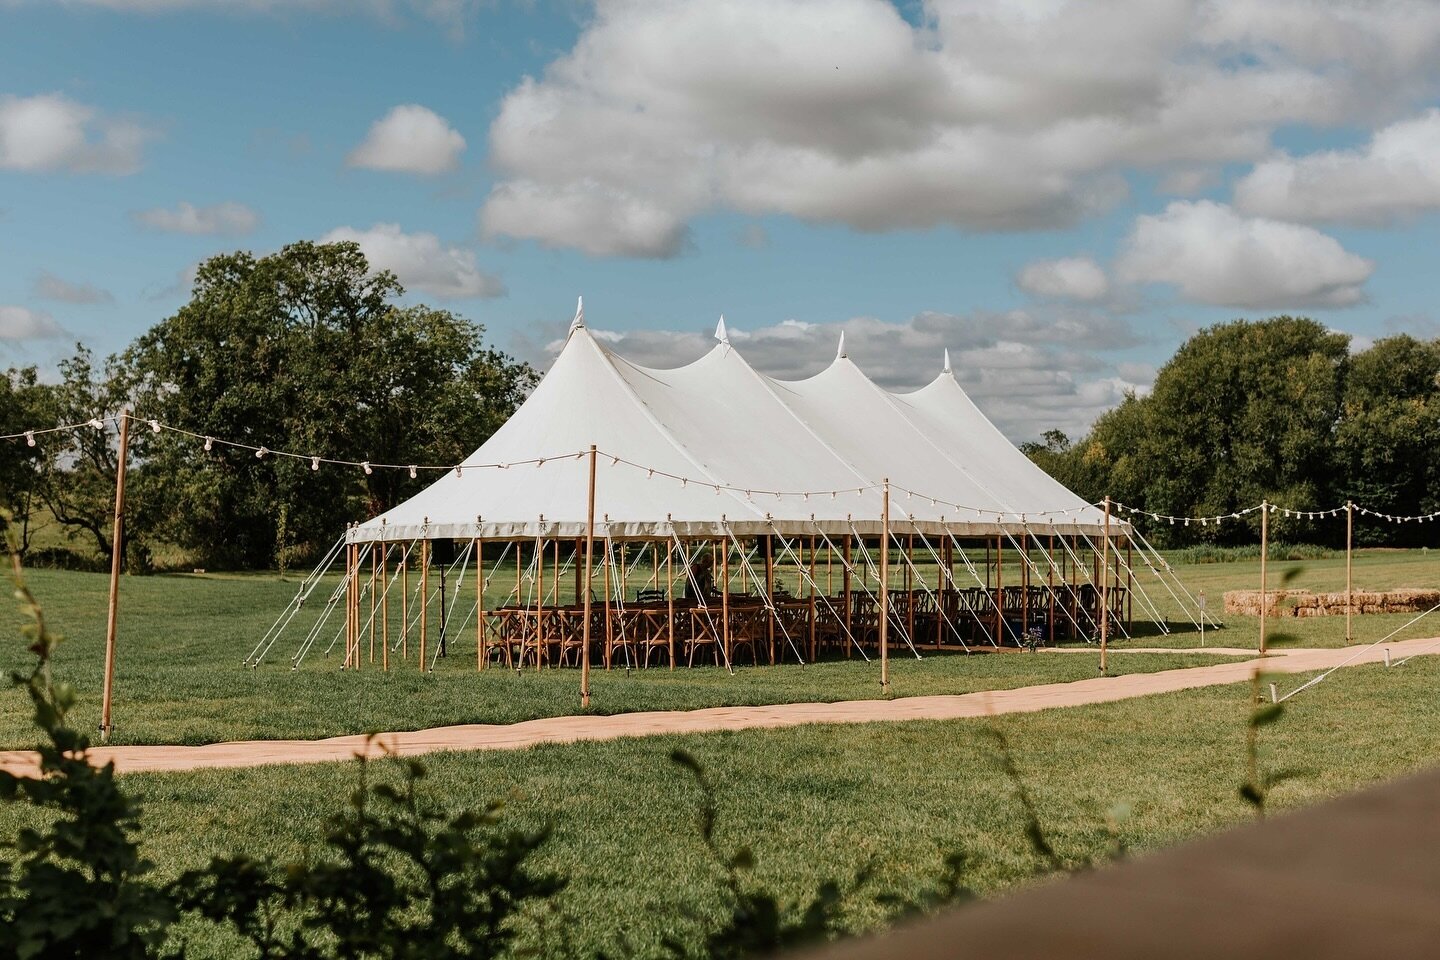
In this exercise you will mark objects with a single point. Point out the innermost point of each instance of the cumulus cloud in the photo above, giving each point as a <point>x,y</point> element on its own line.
<point>1029,370</point>
<point>50,132</point>
<point>1213,255</point>
<point>450,14</point>
<point>228,218</point>
<point>47,286</point>
<point>18,324</point>
<point>1068,278</point>
<point>1395,176</point>
<point>421,261</point>
<point>988,115</point>
<point>409,139</point>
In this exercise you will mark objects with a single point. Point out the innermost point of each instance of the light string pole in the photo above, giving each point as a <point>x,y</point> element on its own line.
<point>884,605</point>
<point>1105,590</point>
<point>1349,556</point>
<point>1264,549</point>
<point>117,549</point>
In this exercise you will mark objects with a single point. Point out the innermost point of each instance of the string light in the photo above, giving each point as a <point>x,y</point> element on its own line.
<point>366,467</point>
<point>260,454</point>
<point>154,426</point>
<point>209,444</point>
<point>29,438</point>
<point>412,471</point>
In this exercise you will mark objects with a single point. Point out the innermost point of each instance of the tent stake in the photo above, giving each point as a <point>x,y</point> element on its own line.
<point>117,556</point>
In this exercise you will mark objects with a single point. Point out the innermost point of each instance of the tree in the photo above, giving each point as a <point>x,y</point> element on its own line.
<point>1388,439</point>
<point>305,350</point>
<point>22,407</point>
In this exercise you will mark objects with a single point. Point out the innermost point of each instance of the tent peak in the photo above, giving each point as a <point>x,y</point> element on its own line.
<point>721,333</point>
<point>840,350</point>
<point>946,368</point>
<point>579,320</point>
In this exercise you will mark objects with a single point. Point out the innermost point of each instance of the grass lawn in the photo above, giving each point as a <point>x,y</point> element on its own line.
<point>822,802</point>
<point>179,677</point>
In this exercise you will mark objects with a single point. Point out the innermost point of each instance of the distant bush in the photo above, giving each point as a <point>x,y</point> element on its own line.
<point>63,558</point>
<point>1209,553</point>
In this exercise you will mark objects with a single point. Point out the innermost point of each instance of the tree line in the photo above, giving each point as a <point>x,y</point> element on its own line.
<point>306,350</point>
<point>1283,410</point>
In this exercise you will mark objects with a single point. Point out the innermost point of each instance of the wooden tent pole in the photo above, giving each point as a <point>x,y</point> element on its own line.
<point>670,602</point>
<point>374,578</point>
<point>609,626</point>
<point>117,557</point>
<point>1105,589</point>
<point>1264,549</point>
<point>999,589</point>
<point>424,597</point>
<point>480,657</point>
<point>1050,583</point>
<point>885,588</point>
<point>845,586</point>
<point>812,597</point>
<point>405,606</point>
<point>586,601</point>
<point>770,595</point>
<point>725,600</point>
<point>1349,556</point>
<point>349,604</point>
<point>909,587</point>
<point>385,612</point>
<point>1024,583</point>
<point>539,602</point>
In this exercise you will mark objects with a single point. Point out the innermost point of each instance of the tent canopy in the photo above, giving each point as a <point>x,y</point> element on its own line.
<point>714,449</point>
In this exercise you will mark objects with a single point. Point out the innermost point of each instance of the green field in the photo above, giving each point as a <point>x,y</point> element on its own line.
<point>179,677</point>
<point>821,802</point>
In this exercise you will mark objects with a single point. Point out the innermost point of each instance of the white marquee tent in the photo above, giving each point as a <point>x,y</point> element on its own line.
<point>715,449</point>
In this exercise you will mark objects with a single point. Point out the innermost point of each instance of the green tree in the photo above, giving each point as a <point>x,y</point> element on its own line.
<point>305,350</point>
<point>1388,439</point>
<point>23,406</point>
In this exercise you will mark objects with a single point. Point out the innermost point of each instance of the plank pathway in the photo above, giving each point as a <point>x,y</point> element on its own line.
<point>254,753</point>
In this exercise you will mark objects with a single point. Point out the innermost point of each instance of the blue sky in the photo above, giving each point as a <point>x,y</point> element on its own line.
<point>1057,195</point>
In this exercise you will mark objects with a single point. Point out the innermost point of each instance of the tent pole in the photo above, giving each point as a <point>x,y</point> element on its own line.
<point>909,587</point>
<point>405,604</point>
<point>374,577</point>
<point>770,595</point>
<point>1024,582</point>
<point>586,601</point>
<point>670,602</point>
<point>480,657</point>
<point>1129,582</point>
<point>812,598</point>
<point>999,589</point>
<point>1050,582</point>
<point>885,589</point>
<point>845,586</point>
<point>539,602</point>
<point>349,596</point>
<point>424,597</point>
<point>1105,588</point>
<point>117,557</point>
<point>609,627</point>
<point>725,600</point>
<point>385,613</point>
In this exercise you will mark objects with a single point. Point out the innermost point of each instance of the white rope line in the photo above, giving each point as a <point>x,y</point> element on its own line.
<point>941,573</point>
<point>889,618</point>
<point>702,599</point>
<point>302,593</point>
<point>1360,650</point>
<point>1055,570</point>
<point>835,554</point>
<point>459,581</point>
<point>1165,565</point>
<point>768,599</point>
<point>980,582</point>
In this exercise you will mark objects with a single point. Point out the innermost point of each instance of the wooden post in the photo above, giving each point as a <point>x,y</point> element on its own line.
<point>424,597</point>
<point>885,588</point>
<point>374,578</point>
<point>1264,548</point>
<point>1129,581</point>
<point>1024,584</point>
<point>670,602</point>
<point>999,589</point>
<point>1050,582</point>
<point>1105,589</point>
<point>480,657</point>
<point>539,602</point>
<point>770,595</point>
<point>117,557</point>
<point>908,555</point>
<point>725,602</point>
<point>405,606</point>
<point>585,601</point>
<point>845,586</point>
<point>812,597</point>
<point>609,627</point>
<point>1349,582</point>
<point>385,613</point>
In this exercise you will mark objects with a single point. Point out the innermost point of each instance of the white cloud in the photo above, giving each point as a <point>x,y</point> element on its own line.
<point>19,324</point>
<point>51,132</point>
<point>409,139</point>
<point>229,218</point>
<point>421,261</point>
<point>1395,176</point>
<point>989,115</point>
<point>50,287</point>
<point>1029,370</point>
<point>1068,278</point>
<point>1213,255</point>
